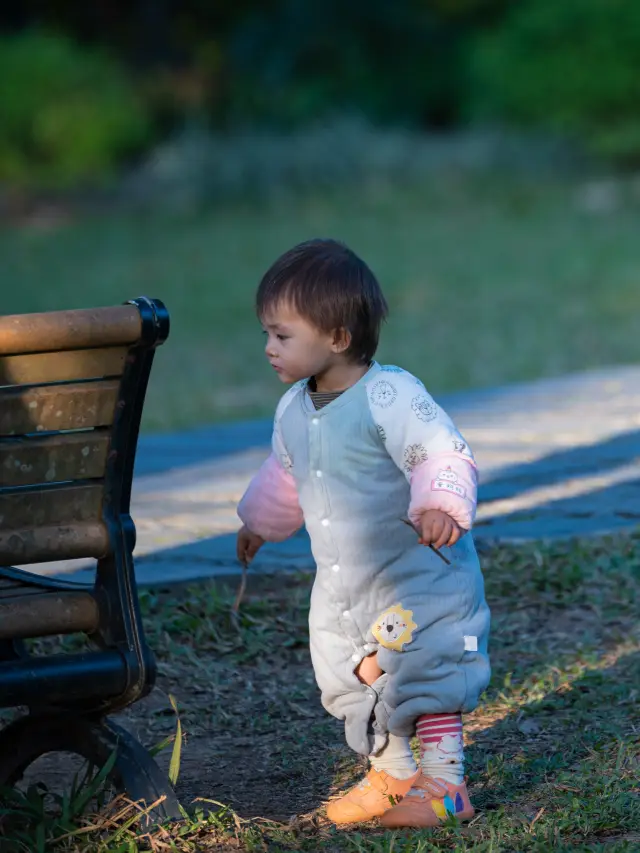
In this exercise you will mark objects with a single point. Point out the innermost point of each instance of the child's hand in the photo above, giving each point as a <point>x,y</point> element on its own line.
<point>247,545</point>
<point>437,528</point>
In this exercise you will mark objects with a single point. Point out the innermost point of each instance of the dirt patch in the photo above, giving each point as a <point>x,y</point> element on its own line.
<point>255,736</point>
<point>258,740</point>
<point>558,722</point>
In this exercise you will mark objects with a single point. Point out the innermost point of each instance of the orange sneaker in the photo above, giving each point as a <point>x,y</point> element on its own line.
<point>428,803</point>
<point>369,799</point>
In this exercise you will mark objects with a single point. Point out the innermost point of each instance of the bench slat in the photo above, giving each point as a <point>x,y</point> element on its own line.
<point>38,368</point>
<point>53,542</point>
<point>72,389</point>
<point>53,458</point>
<point>63,505</point>
<point>68,330</point>
<point>58,407</point>
<point>48,614</point>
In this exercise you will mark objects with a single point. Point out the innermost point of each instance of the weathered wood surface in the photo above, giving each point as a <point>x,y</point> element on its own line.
<point>20,547</point>
<point>53,458</point>
<point>58,407</point>
<point>69,330</point>
<point>47,614</point>
<point>65,366</point>
<point>63,505</point>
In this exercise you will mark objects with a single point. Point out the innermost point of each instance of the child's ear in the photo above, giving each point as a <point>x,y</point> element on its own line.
<point>341,340</point>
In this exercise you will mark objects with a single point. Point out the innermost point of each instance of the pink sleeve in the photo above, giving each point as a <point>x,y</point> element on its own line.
<point>448,482</point>
<point>270,505</point>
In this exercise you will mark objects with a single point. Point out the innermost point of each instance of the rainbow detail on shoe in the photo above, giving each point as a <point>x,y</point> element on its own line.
<point>445,807</point>
<point>429,802</point>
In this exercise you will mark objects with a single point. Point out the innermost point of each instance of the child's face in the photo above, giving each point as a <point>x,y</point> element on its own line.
<point>295,348</point>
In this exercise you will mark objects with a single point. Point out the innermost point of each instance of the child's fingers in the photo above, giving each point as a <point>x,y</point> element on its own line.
<point>431,531</point>
<point>456,533</point>
<point>252,549</point>
<point>444,534</point>
<point>427,535</point>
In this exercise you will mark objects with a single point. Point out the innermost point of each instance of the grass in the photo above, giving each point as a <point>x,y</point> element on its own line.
<point>553,751</point>
<point>489,281</point>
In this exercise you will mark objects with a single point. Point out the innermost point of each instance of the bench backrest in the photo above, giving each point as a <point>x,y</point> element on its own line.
<point>72,387</point>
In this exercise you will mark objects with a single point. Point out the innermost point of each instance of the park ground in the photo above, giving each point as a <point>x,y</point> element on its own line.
<point>488,283</point>
<point>552,750</point>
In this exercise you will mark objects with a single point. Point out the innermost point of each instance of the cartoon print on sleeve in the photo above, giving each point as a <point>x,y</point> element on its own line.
<point>414,454</point>
<point>424,408</point>
<point>448,481</point>
<point>383,394</point>
<point>285,461</point>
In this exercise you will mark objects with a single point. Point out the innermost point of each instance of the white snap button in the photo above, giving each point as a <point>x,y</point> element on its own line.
<point>325,522</point>
<point>314,420</point>
<point>318,473</point>
<point>335,568</point>
<point>356,658</point>
<point>346,614</point>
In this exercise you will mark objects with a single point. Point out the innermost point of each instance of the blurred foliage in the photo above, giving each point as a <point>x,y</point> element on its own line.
<point>67,113</point>
<point>282,62</point>
<point>300,59</point>
<point>126,75</point>
<point>572,66</point>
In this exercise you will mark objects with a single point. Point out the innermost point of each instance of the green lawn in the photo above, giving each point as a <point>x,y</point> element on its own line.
<point>552,754</point>
<point>488,283</point>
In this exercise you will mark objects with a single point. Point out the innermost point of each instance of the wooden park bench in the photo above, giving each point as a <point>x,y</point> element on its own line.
<point>72,388</point>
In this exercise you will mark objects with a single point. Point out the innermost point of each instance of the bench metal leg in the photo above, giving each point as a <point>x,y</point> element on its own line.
<point>134,772</point>
<point>11,650</point>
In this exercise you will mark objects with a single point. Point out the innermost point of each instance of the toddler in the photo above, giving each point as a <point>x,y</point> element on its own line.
<point>374,468</point>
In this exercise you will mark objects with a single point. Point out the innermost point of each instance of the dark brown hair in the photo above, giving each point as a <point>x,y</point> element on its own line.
<point>332,288</point>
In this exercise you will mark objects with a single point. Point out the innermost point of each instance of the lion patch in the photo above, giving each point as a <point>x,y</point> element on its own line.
<point>394,628</point>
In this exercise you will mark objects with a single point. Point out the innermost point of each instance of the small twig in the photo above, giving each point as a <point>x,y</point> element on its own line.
<point>440,554</point>
<point>433,548</point>
<point>235,610</point>
<point>536,818</point>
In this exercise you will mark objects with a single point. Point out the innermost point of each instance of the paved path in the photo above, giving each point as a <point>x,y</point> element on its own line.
<point>558,458</point>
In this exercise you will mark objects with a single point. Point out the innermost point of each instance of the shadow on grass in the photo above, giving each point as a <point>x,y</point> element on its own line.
<point>576,760</point>
<point>553,634</point>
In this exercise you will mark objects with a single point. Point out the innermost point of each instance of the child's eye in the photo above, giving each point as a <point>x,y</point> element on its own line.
<point>282,337</point>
